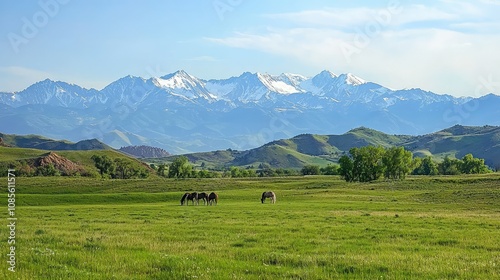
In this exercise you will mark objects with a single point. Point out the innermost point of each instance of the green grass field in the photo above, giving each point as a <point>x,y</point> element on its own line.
<point>320,228</point>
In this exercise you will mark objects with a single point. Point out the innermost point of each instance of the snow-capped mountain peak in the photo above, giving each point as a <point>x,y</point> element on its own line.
<point>184,85</point>
<point>351,79</point>
<point>178,80</point>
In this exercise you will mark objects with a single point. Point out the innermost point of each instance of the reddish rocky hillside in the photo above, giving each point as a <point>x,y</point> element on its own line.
<point>62,164</point>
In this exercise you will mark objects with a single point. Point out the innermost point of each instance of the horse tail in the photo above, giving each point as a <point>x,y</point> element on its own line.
<point>184,198</point>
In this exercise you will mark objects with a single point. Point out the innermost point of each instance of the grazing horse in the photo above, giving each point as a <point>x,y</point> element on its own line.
<point>189,196</point>
<point>193,197</point>
<point>213,198</point>
<point>203,196</point>
<point>270,195</point>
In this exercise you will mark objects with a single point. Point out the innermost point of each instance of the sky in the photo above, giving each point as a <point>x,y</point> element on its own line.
<point>447,47</point>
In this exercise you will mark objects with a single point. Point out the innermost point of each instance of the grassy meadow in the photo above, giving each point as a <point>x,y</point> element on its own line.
<point>320,228</point>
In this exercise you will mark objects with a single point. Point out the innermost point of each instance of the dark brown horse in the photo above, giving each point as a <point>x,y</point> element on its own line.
<point>189,196</point>
<point>213,198</point>
<point>203,196</point>
<point>270,195</point>
<point>194,198</point>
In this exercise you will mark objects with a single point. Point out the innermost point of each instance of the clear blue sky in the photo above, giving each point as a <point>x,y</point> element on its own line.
<point>442,46</point>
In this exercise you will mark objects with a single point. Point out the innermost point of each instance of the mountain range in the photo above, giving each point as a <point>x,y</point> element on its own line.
<point>182,113</point>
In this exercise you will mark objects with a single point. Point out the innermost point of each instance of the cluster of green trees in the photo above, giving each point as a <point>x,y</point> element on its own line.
<point>467,165</point>
<point>119,168</point>
<point>360,165</point>
<point>370,163</point>
<point>330,169</point>
<point>181,168</point>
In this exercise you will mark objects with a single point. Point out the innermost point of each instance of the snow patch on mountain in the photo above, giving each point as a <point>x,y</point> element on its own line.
<point>184,85</point>
<point>276,84</point>
<point>178,80</point>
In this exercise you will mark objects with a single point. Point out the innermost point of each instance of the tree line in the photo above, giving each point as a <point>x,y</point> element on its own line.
<point>119,168</point>
<point>360,165</point>
<point>181,168</point>
<point>371,163</point>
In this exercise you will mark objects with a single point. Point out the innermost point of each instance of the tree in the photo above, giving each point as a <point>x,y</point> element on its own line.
<point>180,168</point>
<point>426,166</point>
<point>397,162</point>
<point>161,169</point>
<point>310,170</point>
<point>266,172</point>
<point>104,164</point>
<point>235,172</point>
<point>330,169</point>
<point>449,166</point>
<point>346,169</point>
<point>367,163</point>
<point>471,165</point>
<point>47,170</point>
<point>123,168</point>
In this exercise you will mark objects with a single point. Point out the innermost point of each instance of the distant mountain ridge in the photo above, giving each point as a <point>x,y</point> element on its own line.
<point>145,151</point>
<point>182,113</point>
<point>43,143</point>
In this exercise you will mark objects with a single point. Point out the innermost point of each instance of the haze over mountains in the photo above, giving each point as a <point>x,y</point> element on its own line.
<point>182,113</point>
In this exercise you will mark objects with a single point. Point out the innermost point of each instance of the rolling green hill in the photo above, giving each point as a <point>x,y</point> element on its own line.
<point>66,162</point>
<point>457,141</point>
<point>43,143</point>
